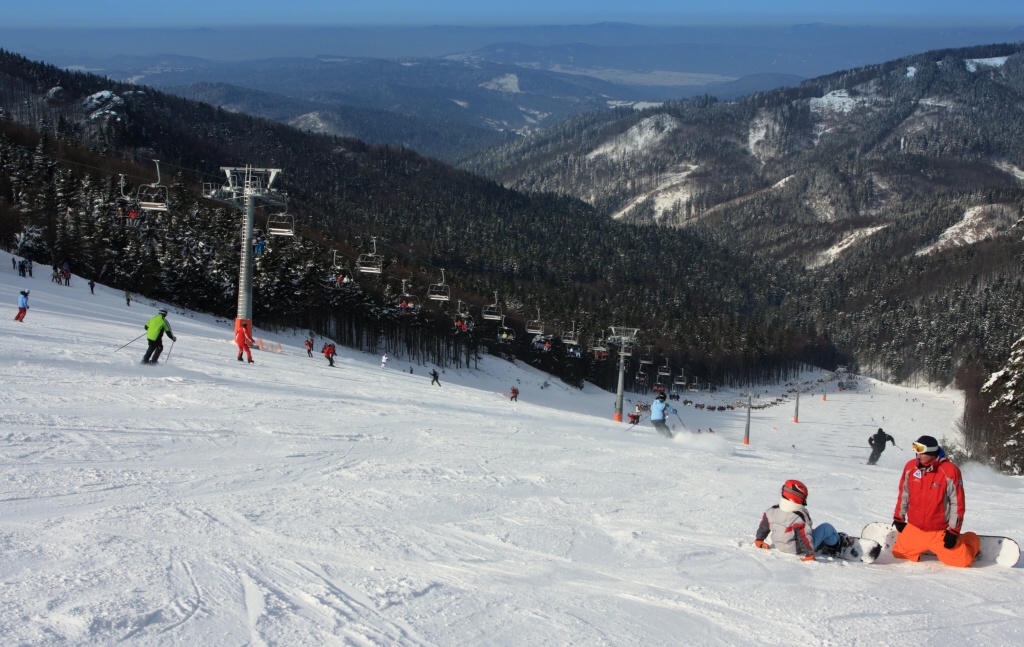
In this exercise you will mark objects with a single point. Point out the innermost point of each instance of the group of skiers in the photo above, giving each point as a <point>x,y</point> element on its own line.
<point>61,274</point>
<point>928,517</point>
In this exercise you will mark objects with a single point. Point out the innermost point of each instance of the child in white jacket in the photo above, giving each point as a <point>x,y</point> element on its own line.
<point>791,528</point>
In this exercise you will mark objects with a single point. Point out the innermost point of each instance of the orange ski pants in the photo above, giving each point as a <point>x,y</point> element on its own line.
<point>913,541</point>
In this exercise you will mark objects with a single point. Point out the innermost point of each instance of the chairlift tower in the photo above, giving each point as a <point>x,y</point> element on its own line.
<point>247,185</point>
<point>623,338</point>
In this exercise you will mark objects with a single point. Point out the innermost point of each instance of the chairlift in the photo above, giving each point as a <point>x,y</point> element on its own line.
<point>535,326</point>
<point>370,263</point>
<point>152,197</point>
<point>127,211</point>
<point>439,291</point>
<point>463,319</point>
<point>408,303</point>
<point>571,337</point>
<point>341,276</point>
<point>493,312</point>
<point>282,223</point>
<point>641,377</point>
<point>646,359</point>
<point>505,334</point>
<point>462,312</point>
<point>665,371</point>
<point>626,350</point>
<point>680,380</point>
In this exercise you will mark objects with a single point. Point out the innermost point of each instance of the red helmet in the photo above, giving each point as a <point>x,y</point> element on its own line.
<point>795,491</point>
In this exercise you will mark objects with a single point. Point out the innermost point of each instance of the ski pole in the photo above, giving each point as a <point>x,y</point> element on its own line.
<point>132,342</point>
<point>681,422</point>
<point>169,351</point>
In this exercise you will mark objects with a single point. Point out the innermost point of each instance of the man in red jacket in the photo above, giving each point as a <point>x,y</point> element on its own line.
<point>243,339</point>
<point>930,508</point>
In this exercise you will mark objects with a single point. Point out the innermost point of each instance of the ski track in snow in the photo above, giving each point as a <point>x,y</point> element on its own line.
<point>208,502</point>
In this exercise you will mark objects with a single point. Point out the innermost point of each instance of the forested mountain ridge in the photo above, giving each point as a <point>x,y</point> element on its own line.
<point>68,135</point>
<point>889,192</point>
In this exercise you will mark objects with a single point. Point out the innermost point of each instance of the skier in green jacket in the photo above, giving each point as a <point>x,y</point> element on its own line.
<point>155,329</point>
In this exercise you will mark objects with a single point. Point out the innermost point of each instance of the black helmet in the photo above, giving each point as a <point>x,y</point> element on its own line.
<point>661,396</point>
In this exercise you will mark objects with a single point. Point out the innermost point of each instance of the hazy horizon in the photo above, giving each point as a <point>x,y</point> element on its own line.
<point>500,13</point>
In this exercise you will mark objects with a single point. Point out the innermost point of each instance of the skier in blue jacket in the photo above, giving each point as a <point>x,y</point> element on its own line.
<point>658,410</point>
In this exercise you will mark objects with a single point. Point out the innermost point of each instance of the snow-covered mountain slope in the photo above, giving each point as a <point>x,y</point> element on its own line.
<point>205,501</point>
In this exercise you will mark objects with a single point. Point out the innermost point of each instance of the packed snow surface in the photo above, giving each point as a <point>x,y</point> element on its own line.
<point>204,501</point>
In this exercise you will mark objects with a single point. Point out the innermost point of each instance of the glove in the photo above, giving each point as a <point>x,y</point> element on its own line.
<point>900,525</point>
<point>173,338</point>
<point>949,541</point>
<point>761,544</point>
<point>809,558</point>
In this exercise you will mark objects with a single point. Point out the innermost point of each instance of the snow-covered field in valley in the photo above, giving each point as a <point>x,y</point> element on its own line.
<point>209,502</point>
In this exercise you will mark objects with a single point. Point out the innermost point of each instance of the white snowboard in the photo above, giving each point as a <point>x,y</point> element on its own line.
<point>1002,551</point>
<point>861,549</point>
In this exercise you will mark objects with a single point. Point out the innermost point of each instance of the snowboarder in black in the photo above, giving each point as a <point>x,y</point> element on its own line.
<point>877,443</point>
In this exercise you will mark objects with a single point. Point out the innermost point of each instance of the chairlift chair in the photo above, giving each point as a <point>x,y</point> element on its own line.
<point>505,334</point>
<point>370,263</point>
<point>665,371</point>
<point>626,350</point>
<point>680,380</point>
<point>341,276</point>
<point>127,211</point>
<point>411,301</point>
<point>281,224</point>
<point>152,197</point>
<point>493,312</point>
<point>439,291</point>
<point>571,337</point>
<point>462,312</point>
<point>535,326</point>
<point>646,359</point>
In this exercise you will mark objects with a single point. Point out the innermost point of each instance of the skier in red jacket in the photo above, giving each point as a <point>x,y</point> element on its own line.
<point>243,339</point>
<point>930,508</point>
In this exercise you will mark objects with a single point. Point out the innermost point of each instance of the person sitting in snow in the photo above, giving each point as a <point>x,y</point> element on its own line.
<point>789,524</point>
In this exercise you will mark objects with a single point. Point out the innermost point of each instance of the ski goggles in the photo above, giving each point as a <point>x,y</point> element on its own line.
<point>923,449</point>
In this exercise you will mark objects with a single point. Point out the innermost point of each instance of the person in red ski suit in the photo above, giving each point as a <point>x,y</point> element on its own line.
<point>243,339</point>
<point>930,509</point>
<point>329,353</point>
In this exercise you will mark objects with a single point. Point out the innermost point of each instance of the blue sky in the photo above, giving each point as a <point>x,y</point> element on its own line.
<point>176,13</point>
